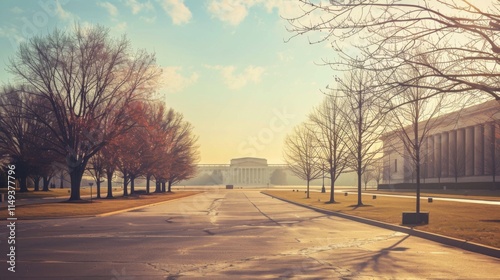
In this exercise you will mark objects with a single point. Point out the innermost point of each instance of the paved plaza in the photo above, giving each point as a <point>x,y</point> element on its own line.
<point>230,234</point>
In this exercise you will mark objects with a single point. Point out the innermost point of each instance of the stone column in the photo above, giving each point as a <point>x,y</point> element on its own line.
<point>430,157</point>
<point>489,147</point>
<point>478,150</point>
<point>469,151</point>
<point>437,155</point>
<point>444,154</point>
<point>452,153</point>
<point>424,159</point>
<point>461,152</point>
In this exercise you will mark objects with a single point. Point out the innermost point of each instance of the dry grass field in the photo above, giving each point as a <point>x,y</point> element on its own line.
<point>85,208</point>
<point>472,222</point>
<point>117,191</point>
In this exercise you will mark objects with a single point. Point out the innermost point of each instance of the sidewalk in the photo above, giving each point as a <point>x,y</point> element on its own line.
<point>464,200</point>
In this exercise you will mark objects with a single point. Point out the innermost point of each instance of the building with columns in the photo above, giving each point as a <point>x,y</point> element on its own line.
<point>460,150</point>
<point>254,172</point>
<point>247,171</point>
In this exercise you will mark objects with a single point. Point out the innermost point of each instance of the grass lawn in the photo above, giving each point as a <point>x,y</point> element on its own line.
<point>472,222</point>
<point>85,208</point>
<point>62,192</point>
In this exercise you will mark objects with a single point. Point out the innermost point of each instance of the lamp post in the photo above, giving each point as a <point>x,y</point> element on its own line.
<point>91,184</point>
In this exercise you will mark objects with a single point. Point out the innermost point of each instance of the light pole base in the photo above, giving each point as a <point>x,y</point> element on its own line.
<point>412,218</point>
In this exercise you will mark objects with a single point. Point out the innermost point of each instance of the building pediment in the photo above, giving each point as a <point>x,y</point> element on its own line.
<point>248,161</point>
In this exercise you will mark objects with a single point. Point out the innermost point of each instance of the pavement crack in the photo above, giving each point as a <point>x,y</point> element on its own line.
<point>157,266</point>
<point>264,214</point>
<point>209,232</point>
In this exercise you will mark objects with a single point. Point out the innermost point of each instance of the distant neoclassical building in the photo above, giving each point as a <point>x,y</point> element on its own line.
<point>247,171</point>
<point>462,148</point>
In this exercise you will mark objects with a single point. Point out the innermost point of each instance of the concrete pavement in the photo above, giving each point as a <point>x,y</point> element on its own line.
<point>230,234</point>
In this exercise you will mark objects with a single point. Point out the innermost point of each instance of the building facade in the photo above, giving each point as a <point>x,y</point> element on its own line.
<point>247,171</point>
<point>460,150</point>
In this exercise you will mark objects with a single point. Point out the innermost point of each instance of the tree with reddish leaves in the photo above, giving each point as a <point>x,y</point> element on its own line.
<point>88,80</point>
<point>156,141</point>
<point>183,153</point>
<point>131,147</point>
<point>178,153</point>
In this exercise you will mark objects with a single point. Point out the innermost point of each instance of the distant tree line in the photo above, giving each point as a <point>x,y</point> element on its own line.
<point>85,102</point>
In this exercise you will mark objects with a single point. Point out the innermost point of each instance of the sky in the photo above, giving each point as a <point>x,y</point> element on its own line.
<point>227,65</point>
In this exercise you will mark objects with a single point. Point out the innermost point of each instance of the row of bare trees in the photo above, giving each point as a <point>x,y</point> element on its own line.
<point>340,135</point>
<point>83,101</point>
<point>421,58</point>
<point>345,132</point>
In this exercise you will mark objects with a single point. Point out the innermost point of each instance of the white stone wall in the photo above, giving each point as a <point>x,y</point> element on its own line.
<point>463,146</point>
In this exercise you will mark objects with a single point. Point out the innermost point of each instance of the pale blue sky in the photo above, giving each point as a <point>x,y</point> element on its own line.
<point>226,65</point>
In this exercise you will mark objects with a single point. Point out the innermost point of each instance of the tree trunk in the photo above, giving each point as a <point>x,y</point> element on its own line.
<point>360,146</point>
<point>125,184</point>
<point>360,202</point>
<point>36,183</point>
<point>110,184</point>
<point>163,189</point>
<point>98,186</point>
<point>75,175</point>
<point>169,186</point>
<point>158,188</point>
<point>23,187</point>
<point>46,182</point>
<point>308,188</point>
<point>332,187</point>
<point>61,178</point>
<point>148,177</point>
<point>132,182</point>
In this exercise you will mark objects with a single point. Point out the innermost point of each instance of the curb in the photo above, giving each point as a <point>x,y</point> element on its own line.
<point>140,207</point>
<point>105,214</point>
<point>446,240</point>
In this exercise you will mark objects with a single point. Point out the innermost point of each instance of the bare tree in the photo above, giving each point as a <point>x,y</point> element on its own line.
<point>302,154</point>
<point>459,36</point>
<point>88,80</point>
<point>378,170</point>
<point>413,114</point>
<point>329,125</point>
<point>367,176</point>
<point>362,110</point>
